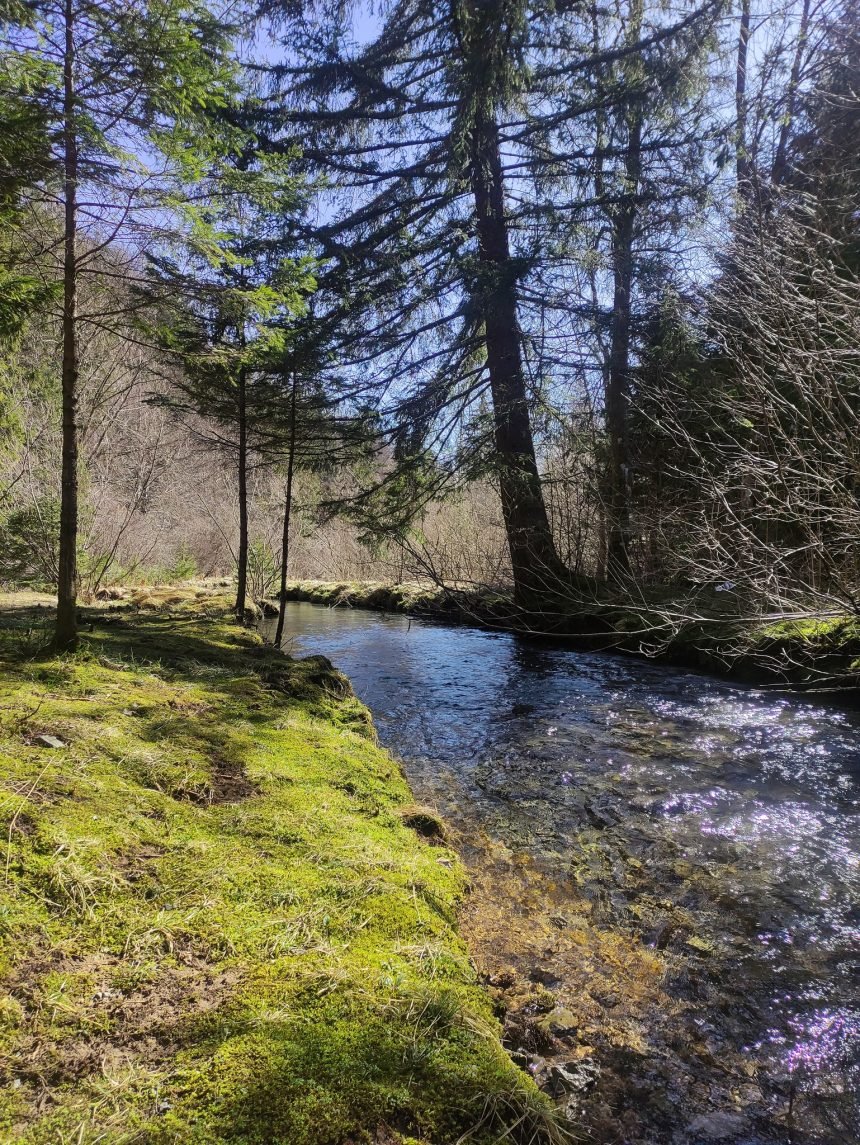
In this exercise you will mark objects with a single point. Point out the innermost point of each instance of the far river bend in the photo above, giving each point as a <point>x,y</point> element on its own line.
<point>665,867</point>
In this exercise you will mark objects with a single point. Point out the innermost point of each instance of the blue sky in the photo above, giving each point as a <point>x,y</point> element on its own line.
<point>365,22</point>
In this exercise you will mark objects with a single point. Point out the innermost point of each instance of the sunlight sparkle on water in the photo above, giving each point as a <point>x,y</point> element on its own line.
<point>821,1042</point>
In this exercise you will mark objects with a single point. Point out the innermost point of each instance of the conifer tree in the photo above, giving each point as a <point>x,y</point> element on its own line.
<point>643,185</point>
<point>25,159</point>
<point>125,91</point>
<point>446,251</point>
<point>422,265</point>
<point>233,290</point>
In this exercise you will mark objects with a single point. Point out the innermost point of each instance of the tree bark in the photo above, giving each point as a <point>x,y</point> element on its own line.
<point>242,418</point>
<point>617,398</point>
<point>66,633</point>
<point>536,566</point>
<point>288,503</point>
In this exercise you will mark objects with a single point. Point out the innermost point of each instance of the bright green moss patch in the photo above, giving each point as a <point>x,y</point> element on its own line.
<point>216,923</point>
<point>838,630</point>
<point>422,598</point>
<point>406,597</point>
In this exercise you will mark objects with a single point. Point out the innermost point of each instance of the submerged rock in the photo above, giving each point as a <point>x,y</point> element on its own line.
<point>561,1024</point>
<point>572,1077</point>
<point>544,976</point>
<point>601,814</point>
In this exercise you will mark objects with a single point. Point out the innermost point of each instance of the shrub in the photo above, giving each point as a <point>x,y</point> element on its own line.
<point>29,545</point>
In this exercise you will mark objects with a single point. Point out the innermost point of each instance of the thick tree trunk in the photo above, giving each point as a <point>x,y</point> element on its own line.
<point>288,504</point>
<point>536,566</point>
<point>242,460</point>
<point>66,634</point>
<point>617,398</point>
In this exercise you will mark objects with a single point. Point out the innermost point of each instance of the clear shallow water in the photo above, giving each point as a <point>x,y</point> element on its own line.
<point>715,825</point>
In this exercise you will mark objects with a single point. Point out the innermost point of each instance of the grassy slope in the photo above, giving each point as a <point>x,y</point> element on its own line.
<point>215,924</point>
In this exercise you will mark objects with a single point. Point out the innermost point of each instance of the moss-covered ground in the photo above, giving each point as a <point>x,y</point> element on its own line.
<point>217,923</point>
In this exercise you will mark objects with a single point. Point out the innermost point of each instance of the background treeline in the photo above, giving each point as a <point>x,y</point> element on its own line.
<point>563,297</point>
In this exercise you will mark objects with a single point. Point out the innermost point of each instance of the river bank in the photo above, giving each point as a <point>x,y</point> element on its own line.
<point>664,871</point>
<point>807,652</point>
<point>222,918</point>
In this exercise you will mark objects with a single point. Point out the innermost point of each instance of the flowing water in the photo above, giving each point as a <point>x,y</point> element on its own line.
<point>665,872</point>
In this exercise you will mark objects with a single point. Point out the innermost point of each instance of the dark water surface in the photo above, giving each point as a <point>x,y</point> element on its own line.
<point>699,846</point>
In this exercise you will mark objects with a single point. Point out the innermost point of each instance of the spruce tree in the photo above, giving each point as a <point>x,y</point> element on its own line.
<point>453,143</point>
<point>230,292</point>
<point>25,159</point>
<point>423,272</point>
<point>642,182</point>
<point>125,90</point>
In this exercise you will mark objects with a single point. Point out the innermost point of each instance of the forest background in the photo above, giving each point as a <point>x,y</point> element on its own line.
<point>561,299</point>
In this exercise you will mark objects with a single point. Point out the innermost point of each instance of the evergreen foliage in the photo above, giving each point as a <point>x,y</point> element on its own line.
<point>120,90</point>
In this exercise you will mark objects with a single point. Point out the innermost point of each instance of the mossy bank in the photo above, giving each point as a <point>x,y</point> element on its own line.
<point>818,652</point>
<point>217,923</point>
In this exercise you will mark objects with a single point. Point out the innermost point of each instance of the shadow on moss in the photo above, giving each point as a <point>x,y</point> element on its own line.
<point>217,925</point>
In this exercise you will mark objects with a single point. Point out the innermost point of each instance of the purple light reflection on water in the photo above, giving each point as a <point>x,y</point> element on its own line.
<point>825,1039</point>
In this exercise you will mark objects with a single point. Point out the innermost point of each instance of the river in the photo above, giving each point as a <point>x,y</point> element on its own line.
<point>665,872</point>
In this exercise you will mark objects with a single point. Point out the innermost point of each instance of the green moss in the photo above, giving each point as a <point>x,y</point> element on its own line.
<point>832,629</point>
<point>216,925</point>
<point>407,597</point>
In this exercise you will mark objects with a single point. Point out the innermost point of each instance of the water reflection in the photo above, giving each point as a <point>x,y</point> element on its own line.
<point>719,825</point>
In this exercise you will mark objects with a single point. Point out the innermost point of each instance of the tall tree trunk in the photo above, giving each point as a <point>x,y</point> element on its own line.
<point>780,162</point>
<point>617,401</point>
<point>66,634</point>
<point>600,136</point>
<point>288,504</point>
<point>535,563</point>
<point>242,417</point>
<point>742,163</point>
